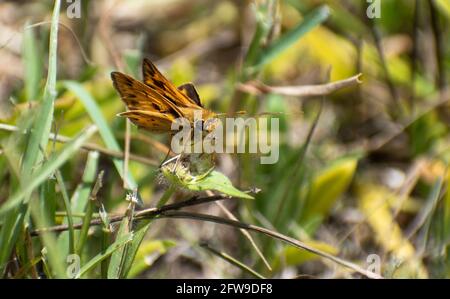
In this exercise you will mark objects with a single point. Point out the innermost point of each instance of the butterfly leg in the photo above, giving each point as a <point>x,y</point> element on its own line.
<point>171,160</point>
<point>164,162</point>
<point>177,162</point>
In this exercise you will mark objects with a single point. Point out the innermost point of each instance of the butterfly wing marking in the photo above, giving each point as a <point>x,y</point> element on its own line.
<point>154,79</point>
<point>150,120</point>
<point>188,89</point>
<point>138,96</point>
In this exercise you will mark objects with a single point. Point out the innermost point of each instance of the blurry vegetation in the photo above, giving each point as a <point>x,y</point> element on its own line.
<point>362,171</point>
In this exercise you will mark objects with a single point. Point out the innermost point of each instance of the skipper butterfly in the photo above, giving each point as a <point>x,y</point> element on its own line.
<point>156,103</point>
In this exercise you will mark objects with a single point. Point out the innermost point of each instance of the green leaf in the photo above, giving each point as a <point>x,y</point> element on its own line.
<point>51,256</point>
<point>312,20</point>
<point>81,195</point>
<point>48,168</point>
<point>122,260</point>
<point>327,187</point>
<point>11,228</point>
<point>32,64</point>
<point>219,182</point>
<point>292,256</point>
<point>133,247</point>
<point>214,180</point>
<point>38,140</point>
<point>444,6</point>
<point>68,238</point>
<point>47,202</point>
<point>115,267</point>
<point>101,256</point>
<point>41,129</point>
<point>105,132</point>
<point>80,199</point>
<point>147,253</point>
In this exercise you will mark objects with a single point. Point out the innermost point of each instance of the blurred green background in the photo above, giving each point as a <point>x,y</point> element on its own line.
<point>362,171</point>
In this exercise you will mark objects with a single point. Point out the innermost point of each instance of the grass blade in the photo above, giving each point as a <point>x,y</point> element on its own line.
<point>53,163</point>
<point>133,247</point>
<point>32,64</point>
<point>41,131</point>
<point>68,208</point>
<point>313,19</point>
<point>38,139</point>
<point>101,256</point>
<point>104,129</point>
<point>82,202</point>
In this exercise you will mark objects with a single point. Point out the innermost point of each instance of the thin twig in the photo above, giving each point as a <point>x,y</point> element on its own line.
<point>256,88</point>
<point>126,156</point>
<point>168,211</point>
<point>159,146</point>
<point>232,260</point>
<point>146,213</point>
<point>104,27</point>
<point>243,231</point>
<point>82,51</point>
<point>246,234</point>
<point>274,234</point>
<point>383,138</point>
<point>89,146</point>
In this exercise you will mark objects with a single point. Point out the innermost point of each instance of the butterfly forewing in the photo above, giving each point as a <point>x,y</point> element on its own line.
<point>138,96</point>
<point>147,108</point>
<point>154,79</point>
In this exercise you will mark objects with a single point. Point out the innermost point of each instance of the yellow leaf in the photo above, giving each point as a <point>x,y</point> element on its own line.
<point>292,256</point>
<point>147,254</point>
<point>327,187</point>
<point>373,203</point>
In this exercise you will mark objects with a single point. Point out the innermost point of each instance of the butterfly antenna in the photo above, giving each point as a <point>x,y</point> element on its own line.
<point>222,115</point>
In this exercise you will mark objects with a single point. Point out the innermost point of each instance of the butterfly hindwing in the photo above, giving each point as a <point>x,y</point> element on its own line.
<point>189,90</point>
<point>153,121</point>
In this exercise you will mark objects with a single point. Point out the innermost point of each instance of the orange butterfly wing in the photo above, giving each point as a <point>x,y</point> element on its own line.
<point>188,89</point>
<point>153,121</point>
<point>144,102</point>
<point>154,79</point>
